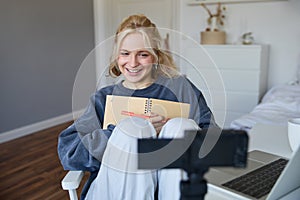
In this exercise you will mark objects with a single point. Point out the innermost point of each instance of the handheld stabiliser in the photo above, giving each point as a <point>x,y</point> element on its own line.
<point>195,153</point>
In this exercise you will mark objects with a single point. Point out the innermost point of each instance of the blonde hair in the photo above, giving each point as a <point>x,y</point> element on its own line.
<point>141,24</point>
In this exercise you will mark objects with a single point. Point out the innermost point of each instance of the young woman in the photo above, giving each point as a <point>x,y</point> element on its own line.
<point>109,153</point>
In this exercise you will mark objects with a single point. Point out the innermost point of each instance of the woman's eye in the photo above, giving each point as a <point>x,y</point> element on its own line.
<point>143,54</point>
<point>124,53</point>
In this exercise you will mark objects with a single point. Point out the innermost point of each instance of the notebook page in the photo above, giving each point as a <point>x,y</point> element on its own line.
<point>116,104</point>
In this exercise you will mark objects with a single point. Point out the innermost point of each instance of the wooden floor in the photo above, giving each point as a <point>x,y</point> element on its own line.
<point>30,168</point>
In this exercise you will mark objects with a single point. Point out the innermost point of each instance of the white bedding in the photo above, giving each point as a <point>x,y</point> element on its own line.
<point>278,105</point>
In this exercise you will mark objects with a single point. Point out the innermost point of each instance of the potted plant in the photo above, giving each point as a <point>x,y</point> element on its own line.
<point>214,34</point>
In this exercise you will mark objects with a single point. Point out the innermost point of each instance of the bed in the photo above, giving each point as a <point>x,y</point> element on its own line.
<point>266,124</point>
<point>279,104</point>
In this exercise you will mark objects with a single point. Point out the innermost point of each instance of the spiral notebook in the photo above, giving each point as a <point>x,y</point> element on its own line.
<point>120,107</point>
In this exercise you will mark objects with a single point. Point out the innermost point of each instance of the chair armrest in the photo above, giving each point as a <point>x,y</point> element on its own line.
<point>72,180</point>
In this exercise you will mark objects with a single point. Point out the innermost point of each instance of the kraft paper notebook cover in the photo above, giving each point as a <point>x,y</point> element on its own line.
<point>116,105</point>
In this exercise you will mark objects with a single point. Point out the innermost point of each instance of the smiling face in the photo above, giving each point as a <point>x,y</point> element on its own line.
<point>135,62</point>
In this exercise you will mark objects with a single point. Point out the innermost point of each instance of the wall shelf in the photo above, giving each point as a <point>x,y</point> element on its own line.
<point>198,2</point>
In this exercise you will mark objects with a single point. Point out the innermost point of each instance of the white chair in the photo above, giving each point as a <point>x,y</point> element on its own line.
<point>71,182</point>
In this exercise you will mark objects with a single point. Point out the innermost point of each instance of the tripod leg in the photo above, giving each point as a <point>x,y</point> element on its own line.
<point>193,191</point>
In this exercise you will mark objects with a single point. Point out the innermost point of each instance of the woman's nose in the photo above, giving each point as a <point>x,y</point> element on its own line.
<point>133,61</point>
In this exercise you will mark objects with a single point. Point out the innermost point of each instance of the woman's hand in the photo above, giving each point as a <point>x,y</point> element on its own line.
<point>157,121</point>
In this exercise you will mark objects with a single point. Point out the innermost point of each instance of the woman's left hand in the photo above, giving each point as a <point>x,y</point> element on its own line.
<point>157,121</point>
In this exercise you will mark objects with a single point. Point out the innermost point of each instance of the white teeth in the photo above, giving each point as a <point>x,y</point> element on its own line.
<point>133,70</point>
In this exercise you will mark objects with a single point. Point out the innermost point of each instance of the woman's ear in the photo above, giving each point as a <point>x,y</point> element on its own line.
<point>155,66</point>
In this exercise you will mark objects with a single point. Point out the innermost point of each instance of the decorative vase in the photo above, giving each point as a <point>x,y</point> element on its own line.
<point>213,37</point>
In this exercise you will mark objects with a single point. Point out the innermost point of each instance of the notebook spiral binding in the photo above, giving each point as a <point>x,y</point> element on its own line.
<point>148,106</point>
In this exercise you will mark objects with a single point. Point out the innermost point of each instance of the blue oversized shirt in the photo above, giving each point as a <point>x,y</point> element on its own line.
<point>81,146</point>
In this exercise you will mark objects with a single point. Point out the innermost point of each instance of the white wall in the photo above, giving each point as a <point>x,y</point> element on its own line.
<point>274,23</point>
<point>42,45</point>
